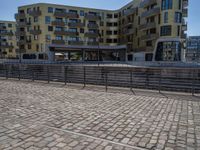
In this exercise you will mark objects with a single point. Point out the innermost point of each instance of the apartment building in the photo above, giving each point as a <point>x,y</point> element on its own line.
<point>8,44</point>
<point>136,26</point>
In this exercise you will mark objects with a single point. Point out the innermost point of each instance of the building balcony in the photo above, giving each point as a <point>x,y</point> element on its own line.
<point>184,36</point>
<point>185,12</point>
<point>147,3</point>
<point>128,23</point>
<point>92,17</point>
<point>6,45</point>
<point>2,27</point>
<point>185,3</point>
<point>93,43</point>
<point>35,13</point>
<point>66,14</point>
<point>76,24</point>
<point>20,51</point>
<point>130,11</point>
<point>58,23</point>
<point>151,12</point>
<point>7,33</point>
<point>59,42</point>
<point>91,34</point>
<point>147,26</point>
<point>35,32</point>
<point>71,33</point>
<point>128,31</point>
<point>93,26</point>
<point>184,27</point>
<point>20,33</point>
<point>75,42</point>
<point>150,37</point>
<point>20,16</point>
<point>22,42</point>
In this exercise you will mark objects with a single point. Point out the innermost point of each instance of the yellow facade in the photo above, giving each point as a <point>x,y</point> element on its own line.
<point>8,44</point>
<point>138,25</point>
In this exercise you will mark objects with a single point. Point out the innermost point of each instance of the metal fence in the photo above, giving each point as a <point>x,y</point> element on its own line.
<point>158,78</point>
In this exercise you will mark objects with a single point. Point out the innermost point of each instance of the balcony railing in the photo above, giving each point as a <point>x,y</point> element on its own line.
<point>71,33</point>
<point>147,26</point>
<point>59,42</point>
<point>76,24</point>
<point>2,27</point>
<point>20,33</point>
<point>75,42</point>
<point>150,37</point>
<point>93,26</point>
<point>35,13</point>
<point>66,14</point>
<point>20,16</point>
<point>185,12</point>
<point>58,23</point>
<point>128,31</point>
<point>91,34</point>
<point>35,32</point>
<point>130,11</point>
<point>151,12</point>
<point>93,43</point>
<point>7,33</point>
<point>22,24</point>
<point>146,3</point>
<point>92,17</point>
<point>185,3</point>
<point>20,51</point>
<point>6,46</point>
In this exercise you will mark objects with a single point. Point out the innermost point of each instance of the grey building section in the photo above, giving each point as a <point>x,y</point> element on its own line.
<point>193,49</point>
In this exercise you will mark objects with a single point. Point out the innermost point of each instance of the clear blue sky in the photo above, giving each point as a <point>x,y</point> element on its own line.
<point>9,7</point>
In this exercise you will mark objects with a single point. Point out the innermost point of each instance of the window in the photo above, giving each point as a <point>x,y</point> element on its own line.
<point>10,25</point>
<point>59,37</point>
<point>58,29</point>
<point>48,37</point>
<point>73,30</point>
<point>101,23</point>
<point>178,30</point>
<point>166,17</point>
<point>81,30</point>
<point>167,4</point>
<point>165,30</point>
<point>47,19</point>
<point>29,46</point>
<point>35,19</point>
<point>35,37</point>
<point>149,43</point>
<point>82,13</point>
<point>50,10</point>
<point>50,28</point>
<point>178,17</point>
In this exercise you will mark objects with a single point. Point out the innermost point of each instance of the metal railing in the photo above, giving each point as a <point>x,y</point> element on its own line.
<point>157,78</point>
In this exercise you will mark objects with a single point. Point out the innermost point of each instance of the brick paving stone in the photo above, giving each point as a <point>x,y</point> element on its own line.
<point>38,116</point>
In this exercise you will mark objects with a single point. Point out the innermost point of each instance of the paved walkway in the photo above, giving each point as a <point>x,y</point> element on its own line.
<point>36,116</point>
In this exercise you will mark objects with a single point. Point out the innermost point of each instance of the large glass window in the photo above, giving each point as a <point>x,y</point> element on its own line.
<point>50,10</point>
<point>168,51</point>
<point>167,4</point>
<point>47,19</point>
<point>166,17</point>
<point>178,17</point>
<point>166,30</point>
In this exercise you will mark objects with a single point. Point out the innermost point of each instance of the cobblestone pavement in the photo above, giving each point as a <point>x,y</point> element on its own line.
<point>45,116</point>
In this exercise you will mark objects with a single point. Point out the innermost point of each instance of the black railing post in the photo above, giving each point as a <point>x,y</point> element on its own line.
<point>160,78</point>
<point>84,76</point>
<point>65,74</point>
<point>48,75</point>
<point>193,82</point>
<point>19,72</point>
<point>131,80</point>
<point>106,80</point>
<point>6,69</point>
<point>33,76</point>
